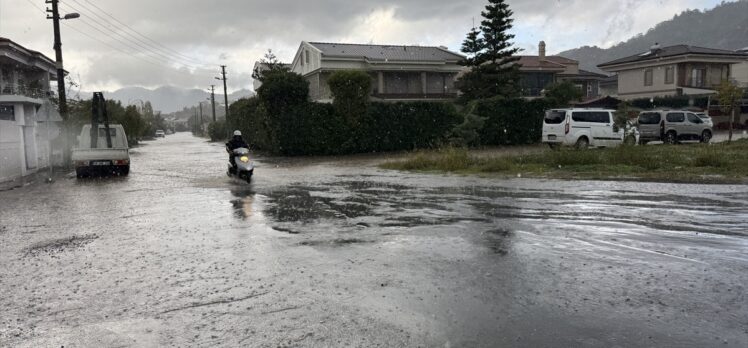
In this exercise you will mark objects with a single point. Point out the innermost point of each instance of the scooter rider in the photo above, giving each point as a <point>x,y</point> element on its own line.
<point>236,142</point>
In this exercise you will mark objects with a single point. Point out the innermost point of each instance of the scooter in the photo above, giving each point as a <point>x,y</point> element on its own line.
<point>244,168</point>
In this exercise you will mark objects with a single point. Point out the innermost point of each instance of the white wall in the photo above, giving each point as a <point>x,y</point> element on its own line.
<point>11,150</point>
<point>26,138</point>
<point>740,73</point>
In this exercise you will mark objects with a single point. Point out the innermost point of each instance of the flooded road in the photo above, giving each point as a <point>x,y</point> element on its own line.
<point>338,253</point>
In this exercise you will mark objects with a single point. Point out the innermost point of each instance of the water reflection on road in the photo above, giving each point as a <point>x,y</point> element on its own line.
<point>335,252</point>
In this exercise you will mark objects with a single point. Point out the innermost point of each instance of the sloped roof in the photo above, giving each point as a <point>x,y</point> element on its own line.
<point>387,52</point>
<point>673,51</point>
<point>27,51</point>
<point>585,73</point>
<point>550,63</point>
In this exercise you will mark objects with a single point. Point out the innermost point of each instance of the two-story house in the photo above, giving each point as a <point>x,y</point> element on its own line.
<point>537,72</point>
<point>398,72</point>
<point>28,122</point>
<point>673,70</point>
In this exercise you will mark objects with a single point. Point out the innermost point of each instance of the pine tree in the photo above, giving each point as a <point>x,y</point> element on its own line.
<point>497,45</point>
<point>472,46</point>
<point>491,56</point>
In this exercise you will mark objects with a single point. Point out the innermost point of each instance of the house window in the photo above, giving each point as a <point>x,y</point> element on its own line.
<point>698,77</point>
<point>7,113</point>
<point>301,59</point>
<point>648,77</point>
<point>669,75</point>
<point>306,56</point>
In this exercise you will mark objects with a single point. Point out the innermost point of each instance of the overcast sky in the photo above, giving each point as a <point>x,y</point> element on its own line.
<point>187,39</point>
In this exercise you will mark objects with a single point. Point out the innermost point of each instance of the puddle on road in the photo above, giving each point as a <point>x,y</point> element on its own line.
<point>335,242</point>
<point>56,246</point>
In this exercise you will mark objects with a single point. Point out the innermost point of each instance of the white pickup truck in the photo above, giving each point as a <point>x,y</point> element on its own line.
<point>102,159</point>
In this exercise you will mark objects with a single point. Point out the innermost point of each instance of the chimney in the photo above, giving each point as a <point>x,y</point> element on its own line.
<point>541,50</point>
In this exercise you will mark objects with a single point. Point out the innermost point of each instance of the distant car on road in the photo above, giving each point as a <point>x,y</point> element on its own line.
<point>581,128</point>
<point>160,134</point>
<point>672,126</point>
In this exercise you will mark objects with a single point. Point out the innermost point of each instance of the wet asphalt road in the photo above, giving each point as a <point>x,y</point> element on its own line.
<point>337,253</point>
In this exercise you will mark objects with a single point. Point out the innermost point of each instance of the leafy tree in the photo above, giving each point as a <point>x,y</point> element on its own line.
<point>283,89</point>
<point>280,93</point>
<point>132,122</point>
<point>562,93</point>
<point>268,64</point>
<point>730,96</point>
<point>490,55</point>
<point>351,90</point>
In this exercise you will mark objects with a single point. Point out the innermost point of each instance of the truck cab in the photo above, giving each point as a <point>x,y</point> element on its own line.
<point>102,159</point>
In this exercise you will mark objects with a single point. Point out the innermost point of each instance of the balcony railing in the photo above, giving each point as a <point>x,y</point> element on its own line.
<point>25,91</point>
<point>415,95</point>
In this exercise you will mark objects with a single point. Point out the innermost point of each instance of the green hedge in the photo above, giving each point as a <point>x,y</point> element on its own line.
<point>405,126</point>
<point>512,121</point>
<point>317,129</point>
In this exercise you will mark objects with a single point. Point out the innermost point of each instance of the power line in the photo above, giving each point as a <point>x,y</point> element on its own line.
<point>176,56</point>
<point>130,42</point>
<point>142,35</point>
<point>126,53</point>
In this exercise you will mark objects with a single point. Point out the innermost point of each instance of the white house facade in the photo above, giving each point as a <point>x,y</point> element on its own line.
<point>29,124</point>
<point>675,70</point>
<point>398,72</point>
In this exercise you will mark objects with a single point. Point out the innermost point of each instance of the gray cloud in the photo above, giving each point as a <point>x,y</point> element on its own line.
<point>237,33</point>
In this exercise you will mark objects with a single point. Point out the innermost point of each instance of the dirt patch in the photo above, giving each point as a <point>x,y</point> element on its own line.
<point>56,246</point>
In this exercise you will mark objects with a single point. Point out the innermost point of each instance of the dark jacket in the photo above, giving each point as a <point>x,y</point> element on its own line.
<point>236,143</point>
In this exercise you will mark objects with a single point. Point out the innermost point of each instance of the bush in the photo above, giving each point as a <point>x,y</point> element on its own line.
<point>350,90</point>
<point>404,126</point>
<point>512,121</point>
<point>250,117</point>
<point>560,94</point>
<point>282,90</point>
<point>217,131</point>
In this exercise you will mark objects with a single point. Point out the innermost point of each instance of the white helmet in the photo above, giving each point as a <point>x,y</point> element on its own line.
<point>237,133</point>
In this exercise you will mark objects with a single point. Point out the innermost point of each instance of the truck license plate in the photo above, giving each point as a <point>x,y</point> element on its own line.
<point>101,163</point>
<point>551,137</point>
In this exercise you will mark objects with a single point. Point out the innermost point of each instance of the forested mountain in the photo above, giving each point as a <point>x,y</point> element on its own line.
<point>725,27</point>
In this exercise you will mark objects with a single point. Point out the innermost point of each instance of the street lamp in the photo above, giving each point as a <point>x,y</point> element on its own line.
<point>73,15</point>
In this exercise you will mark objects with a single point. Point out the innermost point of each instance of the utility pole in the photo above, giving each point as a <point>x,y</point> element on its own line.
<point>213,100</point>
<point>225,93</point>
<point>201,111</point>
<point>63,103</point>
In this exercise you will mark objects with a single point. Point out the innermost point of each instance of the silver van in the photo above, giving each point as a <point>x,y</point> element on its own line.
<point>672,126</point>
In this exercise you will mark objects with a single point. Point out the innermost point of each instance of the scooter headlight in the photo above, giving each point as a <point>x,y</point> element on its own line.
<point>244,159</point>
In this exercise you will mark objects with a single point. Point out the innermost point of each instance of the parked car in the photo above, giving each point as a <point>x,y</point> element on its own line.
<point>706,118</point>
<point>102,159</point>
<point>581,128</point>
<point>160,134</point>
<point>672,126</point>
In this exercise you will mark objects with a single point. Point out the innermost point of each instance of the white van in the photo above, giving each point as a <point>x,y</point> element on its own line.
<point>581,128</point>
